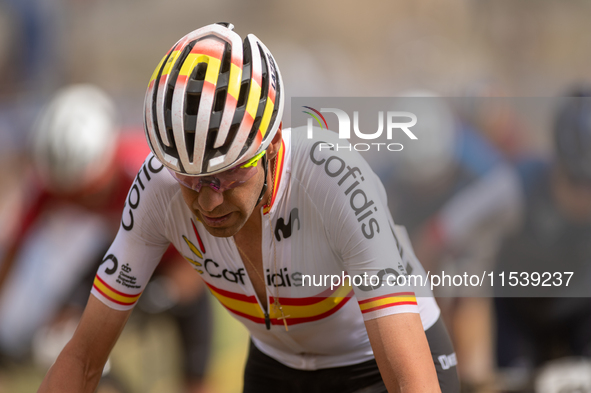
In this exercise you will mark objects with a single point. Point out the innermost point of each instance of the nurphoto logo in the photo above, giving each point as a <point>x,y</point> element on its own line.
<point>395,121</point>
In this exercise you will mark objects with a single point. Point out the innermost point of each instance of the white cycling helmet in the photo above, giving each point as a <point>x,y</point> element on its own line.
<point>74,138</point>
<point>213,101</point>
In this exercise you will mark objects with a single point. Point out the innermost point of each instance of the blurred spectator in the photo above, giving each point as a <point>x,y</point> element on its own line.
<point>447,158</point>
<point>74,195</point>
<point>492,115</point>
<point>36,46</point>
<point>542,211</point>
<point>554,233</point>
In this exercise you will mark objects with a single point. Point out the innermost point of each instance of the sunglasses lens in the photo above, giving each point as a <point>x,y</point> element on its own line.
<point>219,182</point>
<point>192,182</point>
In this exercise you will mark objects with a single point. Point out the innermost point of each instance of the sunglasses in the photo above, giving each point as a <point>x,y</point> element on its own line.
<point>222,181</point>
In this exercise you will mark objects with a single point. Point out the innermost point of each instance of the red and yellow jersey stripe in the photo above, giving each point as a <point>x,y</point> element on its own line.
<point>391,300</point>
<point>297,310</point>
<point>114,295</point>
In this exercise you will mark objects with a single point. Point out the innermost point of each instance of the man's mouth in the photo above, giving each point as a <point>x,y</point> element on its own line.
<point>215,221</point>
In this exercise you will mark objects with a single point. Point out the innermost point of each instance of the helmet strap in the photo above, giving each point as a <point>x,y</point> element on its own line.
<point>264,189</point>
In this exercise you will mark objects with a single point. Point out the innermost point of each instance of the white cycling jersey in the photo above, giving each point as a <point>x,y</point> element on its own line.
<point>328,216</point>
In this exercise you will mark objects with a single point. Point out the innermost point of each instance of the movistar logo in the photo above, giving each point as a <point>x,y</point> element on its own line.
<point>285,229</point>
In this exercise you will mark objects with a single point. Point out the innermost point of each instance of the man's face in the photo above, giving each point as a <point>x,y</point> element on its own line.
<point>224,214</point>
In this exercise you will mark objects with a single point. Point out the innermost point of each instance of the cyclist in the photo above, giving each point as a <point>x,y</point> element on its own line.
<point>427,176</point>
<point>263,214</point>
<point>554,230</point>
<point>538,211</point>
<point>82,168</point>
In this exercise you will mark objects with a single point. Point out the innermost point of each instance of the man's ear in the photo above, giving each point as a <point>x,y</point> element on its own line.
<point>275,144</point>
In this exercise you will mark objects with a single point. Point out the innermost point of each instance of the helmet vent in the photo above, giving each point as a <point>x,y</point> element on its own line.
<point>254,129</point>
<point>226,146</point>
<point>220,100</point>
<point>242,96</point>
<point>174,73</point>
<point>210,152</point>
<point>274,115</point>
<point>192,106</point>
<point>226,25</point>
<point>226,59</point>
<point>265,77</point>
<point>190,143</point>
<point>199,72</point>
<point>261,107</point>
<point>168,99</point>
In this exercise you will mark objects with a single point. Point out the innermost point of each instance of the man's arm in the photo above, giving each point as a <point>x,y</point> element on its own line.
<point>402,353</point>
<point>79,366</point>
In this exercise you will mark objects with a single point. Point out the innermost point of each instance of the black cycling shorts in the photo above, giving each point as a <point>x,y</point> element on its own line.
<point>264,374</point>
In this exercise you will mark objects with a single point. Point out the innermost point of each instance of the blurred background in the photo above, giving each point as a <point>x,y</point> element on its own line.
<point>449,48</point>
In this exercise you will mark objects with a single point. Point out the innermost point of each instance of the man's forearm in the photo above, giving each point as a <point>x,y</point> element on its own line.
<point>79,367</point>
<point>70,374</point>
<point>402,353</point>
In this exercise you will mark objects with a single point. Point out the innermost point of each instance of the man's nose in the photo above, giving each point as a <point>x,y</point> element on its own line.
<point>209,199</point>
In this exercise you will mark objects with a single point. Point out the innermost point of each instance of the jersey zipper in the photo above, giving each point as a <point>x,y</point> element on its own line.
<point>265,311</point>
<point>263,230</point>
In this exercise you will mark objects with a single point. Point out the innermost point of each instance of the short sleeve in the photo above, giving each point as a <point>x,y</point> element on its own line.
<point>140,241</point>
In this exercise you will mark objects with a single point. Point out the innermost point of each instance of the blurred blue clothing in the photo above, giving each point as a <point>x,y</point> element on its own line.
<point>475,153</point>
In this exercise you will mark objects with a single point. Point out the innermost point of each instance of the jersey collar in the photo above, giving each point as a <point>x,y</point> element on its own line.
<point>279,170</point>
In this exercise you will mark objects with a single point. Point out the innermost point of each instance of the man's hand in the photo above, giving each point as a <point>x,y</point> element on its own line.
<point>402,353</point>
<point>79,367</point>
